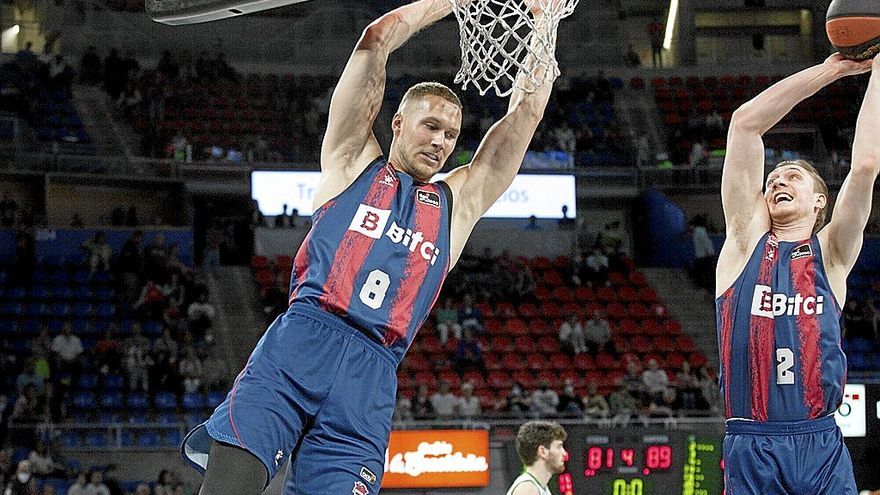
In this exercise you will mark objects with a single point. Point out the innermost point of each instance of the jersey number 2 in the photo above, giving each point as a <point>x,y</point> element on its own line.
<point>373,292</point>
<point>785,361</point>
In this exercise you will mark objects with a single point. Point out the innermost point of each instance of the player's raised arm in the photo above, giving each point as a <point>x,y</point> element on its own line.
<point>742,178</point>
<point>500,154</point>
<point>847,225</point>
<point>349,143</point>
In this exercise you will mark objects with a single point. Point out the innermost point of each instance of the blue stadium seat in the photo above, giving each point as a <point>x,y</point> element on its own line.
<point>148,438</point>
<point>63,293</point>
<point>194,419</point>
<point>110,417</point>
<point>20,454</point>
<point>60,485</point>
<point>70,439</point>
<point>60,277</point>
<point>138,401</point>
<point>16,293</point>
<point>30,327</point>
<point>40,292</point>
<point>8,325</point>
<point>114,382</point>
<point>111,400</point>
<point>106,310</point>
<point>81,327</point>
<point>87,381</point>
<point>59,310</point>
<point>104,294</point>
<point>171,438</point>
<point>138,418</point>
<point>126,438</point>
<point>83,310</point>
<point>22,346</point>
<point>167,418</point>
<point>10,308</point>
<point>214,399</point>
<point>35,309</point>
<point>55,326</point>
<point>84,400</point>
<point>193,401</point>
<point>96,439</point>
<point>81,277</point>
<point>166,400</point>
<point>102,326</point>
<point>84,293</point>
<point>102,277</point>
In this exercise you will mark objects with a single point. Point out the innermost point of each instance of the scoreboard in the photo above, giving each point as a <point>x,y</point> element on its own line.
<point>641,461</point>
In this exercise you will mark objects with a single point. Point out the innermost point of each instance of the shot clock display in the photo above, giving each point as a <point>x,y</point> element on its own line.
<point>641,461</point>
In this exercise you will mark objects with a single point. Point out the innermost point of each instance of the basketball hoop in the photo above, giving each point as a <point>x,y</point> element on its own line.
<point>499,36</point>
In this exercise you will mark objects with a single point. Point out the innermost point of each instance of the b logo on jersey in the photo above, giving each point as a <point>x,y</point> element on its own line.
<point>769,305</point>
<point>369,221</point>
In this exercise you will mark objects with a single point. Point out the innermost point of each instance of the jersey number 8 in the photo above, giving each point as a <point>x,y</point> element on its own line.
<point>373,292</point>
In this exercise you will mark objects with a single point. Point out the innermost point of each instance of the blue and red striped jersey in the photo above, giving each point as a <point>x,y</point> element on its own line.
<point>779,336</point>
<point>377,254</point>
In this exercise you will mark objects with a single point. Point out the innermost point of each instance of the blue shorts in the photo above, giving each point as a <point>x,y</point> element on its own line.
<point>787,458</point>
<point>315,390</point>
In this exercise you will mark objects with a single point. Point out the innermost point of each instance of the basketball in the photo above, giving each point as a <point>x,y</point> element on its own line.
<point>853,27</point>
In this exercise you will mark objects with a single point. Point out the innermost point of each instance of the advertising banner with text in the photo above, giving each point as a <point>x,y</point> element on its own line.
<point>437,459</point>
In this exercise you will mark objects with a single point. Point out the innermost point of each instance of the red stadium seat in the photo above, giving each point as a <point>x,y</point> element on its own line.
<point>493,326</point>
<point>583,362</point>
<point>513,362</point>
<point>684,343</point>
<point>606,361</point>
<point>560,362</point>
<point>515,326</point>
<point>492,361</point>
<point>584,294</point>
<point>259,262</point>
<point>606,294</point>
<point>499,380</point>
<point>525,345</point>
<point>527,310</point>
<point>503,344</point>
<point>542,293</point>
<point>563,294</point>
<point>537,362</point>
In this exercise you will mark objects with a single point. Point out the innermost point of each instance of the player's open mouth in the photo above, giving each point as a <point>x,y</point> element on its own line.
<point>781,197</point>
<point>432,157</point>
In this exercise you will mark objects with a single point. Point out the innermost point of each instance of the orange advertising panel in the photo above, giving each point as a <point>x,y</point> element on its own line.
<point>437,459</point>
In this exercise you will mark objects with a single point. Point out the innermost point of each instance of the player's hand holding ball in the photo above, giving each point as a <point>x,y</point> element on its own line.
<point>847,67</point>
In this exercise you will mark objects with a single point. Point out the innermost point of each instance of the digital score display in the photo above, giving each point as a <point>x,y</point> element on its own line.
<point>641,461</point>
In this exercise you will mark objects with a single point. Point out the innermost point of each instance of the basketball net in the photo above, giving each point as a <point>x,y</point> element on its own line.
<point>499,39</point>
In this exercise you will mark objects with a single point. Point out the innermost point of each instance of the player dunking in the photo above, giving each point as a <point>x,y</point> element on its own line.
<point>320,386</point>
<point>781,284</point>
<point>539,446</point>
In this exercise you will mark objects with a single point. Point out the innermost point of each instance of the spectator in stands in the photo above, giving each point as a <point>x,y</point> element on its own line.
<point>517,403</point>
<point>200,315</point>
<point>632,57</point>
<point>402,409</point>
<point>655,35</point>
<point>137,359</point>
<point>566,222</point>
<point>98,252</point>
<point>79,486</point>
<point>633,383</point>
<point>111,480</point>
<point>215,371</point>
<point>872,316</point>
<point>597,268</point>
<point>470,317</point>
<point>131,98</point>
<point>447,320</point>
<point>710,392</point>
<point>422,407</point>
<point>570,404</point>
<point>714,122</point>
<point>90,67</point>
<point>854,323</point>
<point>152,302</point>
<point>663,406</point>
<point>29,378</point>
<point>27,407</point>
<point>468,405</point>
<point>131,217</point>
<point>128,266</point>
<point>699,156</point>
<point>96,484</point>
<point>688,386</point>
<point>108,354</point>
<point>468,353</point>
<point>597,334</point>
<point>6,464</point>
<point>544,400</point>
<point>142,489</point>
<point>532,224</point>
<point>52,405</point>
<point>655,379</point>
<point>41,461</point>
<point>67,350</point>
<point>443,401</point>
<point>163,374</point>
<point>282,221</point>
<point>571,335</point>
<point>165,482</point>
<point>595,405</point>
<point>156,256</point>
<point>190,367</point>
<point>23,483</point>
<point>623,406</point>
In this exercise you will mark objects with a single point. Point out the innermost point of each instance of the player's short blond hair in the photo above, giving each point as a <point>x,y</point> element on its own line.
<point>429,88</point>
<point>819,186</point>
<point>535,434</point>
